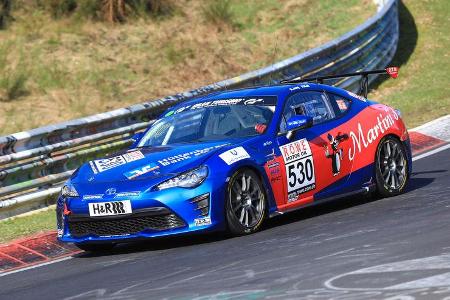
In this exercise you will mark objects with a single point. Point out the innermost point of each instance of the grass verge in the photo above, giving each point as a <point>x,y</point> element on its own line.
<point>35,222</point>
<point>422,90</point>
<point>75,67</point>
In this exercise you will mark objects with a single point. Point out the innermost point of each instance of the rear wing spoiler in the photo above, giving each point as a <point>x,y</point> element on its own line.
<point>364,84</point>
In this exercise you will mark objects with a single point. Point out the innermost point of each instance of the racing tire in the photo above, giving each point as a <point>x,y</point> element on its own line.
<point>95,248</point>
<point>391,167</point>
<point>246,205</point>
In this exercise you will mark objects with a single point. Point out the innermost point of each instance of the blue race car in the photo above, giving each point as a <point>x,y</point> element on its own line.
<point>229,160</point>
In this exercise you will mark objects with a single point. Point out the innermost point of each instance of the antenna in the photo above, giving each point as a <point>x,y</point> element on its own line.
<point>273,60</point>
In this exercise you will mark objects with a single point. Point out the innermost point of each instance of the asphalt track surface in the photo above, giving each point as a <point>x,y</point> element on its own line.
<point>358,248</point>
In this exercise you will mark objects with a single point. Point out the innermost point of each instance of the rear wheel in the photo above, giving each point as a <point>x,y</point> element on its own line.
<point>95,248</point>
<point>246,203</point>
<point>391,167</point>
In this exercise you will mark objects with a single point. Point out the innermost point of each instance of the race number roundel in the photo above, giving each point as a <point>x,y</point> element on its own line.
<point>299,165</point>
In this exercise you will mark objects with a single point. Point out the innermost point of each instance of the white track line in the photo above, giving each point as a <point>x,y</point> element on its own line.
<point>442,148</point>
<point>36,266</point>
<point>423,155</point>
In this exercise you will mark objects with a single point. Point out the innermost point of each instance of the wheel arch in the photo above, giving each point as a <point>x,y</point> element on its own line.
<point>259,170</point>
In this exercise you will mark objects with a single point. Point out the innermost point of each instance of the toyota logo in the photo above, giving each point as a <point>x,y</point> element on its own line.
<point>111,191</point>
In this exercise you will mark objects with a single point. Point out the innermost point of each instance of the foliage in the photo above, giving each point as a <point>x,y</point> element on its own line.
<point>13,85</point>
<point>5,13</point>
<point>219,12</point>
<point>77,65</point>
<point>60,8</point>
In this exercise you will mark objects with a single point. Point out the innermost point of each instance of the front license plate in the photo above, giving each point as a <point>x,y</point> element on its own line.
<point>110,208</point>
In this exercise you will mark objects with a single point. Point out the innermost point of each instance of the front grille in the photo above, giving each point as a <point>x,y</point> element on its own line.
<point>124,225</point>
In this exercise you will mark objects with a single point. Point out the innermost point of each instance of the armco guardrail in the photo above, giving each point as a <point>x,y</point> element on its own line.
<point>35,163</point>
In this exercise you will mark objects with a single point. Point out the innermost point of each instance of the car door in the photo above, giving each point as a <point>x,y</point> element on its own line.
<point>313,158</point>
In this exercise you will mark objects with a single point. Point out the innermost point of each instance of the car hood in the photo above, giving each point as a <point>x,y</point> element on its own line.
<point>146,163</point>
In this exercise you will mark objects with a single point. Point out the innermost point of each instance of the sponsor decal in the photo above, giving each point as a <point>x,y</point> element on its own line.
<point>94,169</point>
<point>357,96</point>
<point>295,150</point>
<point>111,191</point>
<point>392,71</point>
<point>299,87</point>
<point>202,221</point>
<point>110,208</point>
<point>127,194</point>
<point>273,164</point>
<point>363,137</point>
<point>90,197</point>
<point>263,100</point>
<point>234,155</point>
<point>299,165</point>
<point>141,171</point>
<point>294,195</point>
<point>101,165</point>
<point>268,143</point>
<point>336,154</point>
<point>169,113</point>
<point>253,101</point>
<point>184,156</point>
<point>133,155</point>
<point>275,173</point>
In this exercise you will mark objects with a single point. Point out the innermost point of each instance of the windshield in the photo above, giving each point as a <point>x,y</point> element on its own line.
<point>211,121</point>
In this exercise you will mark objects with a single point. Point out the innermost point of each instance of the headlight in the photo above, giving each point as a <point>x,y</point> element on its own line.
<point>188,179</point>
<point>68,190</point>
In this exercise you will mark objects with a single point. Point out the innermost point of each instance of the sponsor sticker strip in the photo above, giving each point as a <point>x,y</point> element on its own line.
<point>262,100</point>
<point>188,155</point>
<point>141,171</point>
<point>234,155</point>
<point>202,221</point>
<point>101,165</point>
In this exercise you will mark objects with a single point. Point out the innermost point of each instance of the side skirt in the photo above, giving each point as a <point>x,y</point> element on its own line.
<point>362,191</point>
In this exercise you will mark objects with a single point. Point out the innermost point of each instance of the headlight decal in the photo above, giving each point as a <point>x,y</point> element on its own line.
<point>188,179</point>
<point>69,190</point>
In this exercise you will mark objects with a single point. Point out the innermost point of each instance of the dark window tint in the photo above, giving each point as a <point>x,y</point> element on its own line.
<point>313,104</point>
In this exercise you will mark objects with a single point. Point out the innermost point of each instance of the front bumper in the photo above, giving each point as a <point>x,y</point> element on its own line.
<point>155,214</point>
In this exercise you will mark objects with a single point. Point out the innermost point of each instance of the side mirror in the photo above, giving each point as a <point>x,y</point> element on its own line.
<point>136,138</point>
<point>296,123</point>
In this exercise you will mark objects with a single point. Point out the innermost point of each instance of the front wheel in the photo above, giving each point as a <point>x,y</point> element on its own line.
<point>391,167</point>
<point>246,205</point>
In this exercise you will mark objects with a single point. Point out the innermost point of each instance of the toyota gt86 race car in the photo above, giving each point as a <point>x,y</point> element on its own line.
<point>229,160</point>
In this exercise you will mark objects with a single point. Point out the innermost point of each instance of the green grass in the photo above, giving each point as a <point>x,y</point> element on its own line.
<point>422,90</point>
<point>74,66</point>
<point>219,12</point>
<point>27,225</point>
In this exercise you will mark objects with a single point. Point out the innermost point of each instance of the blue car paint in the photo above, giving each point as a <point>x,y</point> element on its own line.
<point>177,199</point>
